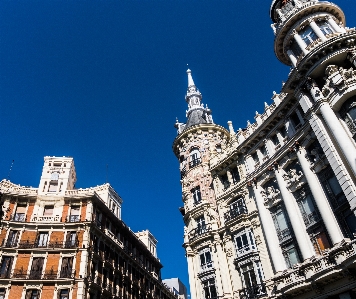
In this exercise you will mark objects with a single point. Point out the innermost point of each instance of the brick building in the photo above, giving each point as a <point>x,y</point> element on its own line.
<point>65,243</point>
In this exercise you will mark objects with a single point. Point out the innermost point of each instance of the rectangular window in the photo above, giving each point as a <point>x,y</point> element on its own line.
<point>308,35</point>
<point>42,239</point>
<point>291,255</point>
<point>201,227</point>
<point>13,238</point>
<point>53,186</point>
<point>320,241</point>
<point>66,268</point>
<point>236,208</point>
<point>225,180</point>
<point>252,276</point>
<point>2,293</point>
<point>275,139</point>
<point>244,242</point>
<point>36,268</point>
<point>281,225</point>
<point>71,240</point>
<point>205,259</point>
<point>32,294</point>
<point>48,210</point>
<point>255,157</point>
<point>209,289</point>
<point>235,175</point>
<point>6,265</point>
<point>20,213</point>
<point>63,294</point>
<point>74,214</point>
<point>295,120</point>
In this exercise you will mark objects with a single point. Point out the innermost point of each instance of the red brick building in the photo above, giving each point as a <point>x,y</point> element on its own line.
<point>65,243</point>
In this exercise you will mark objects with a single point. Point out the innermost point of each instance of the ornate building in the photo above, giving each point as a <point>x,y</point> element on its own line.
<point>65,243</point>
<point>270,210</point>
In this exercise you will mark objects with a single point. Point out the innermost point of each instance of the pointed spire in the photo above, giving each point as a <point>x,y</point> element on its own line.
<point>190,78</point>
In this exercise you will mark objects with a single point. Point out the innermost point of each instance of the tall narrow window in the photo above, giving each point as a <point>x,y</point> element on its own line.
<point>71,240</point>
<point>2,293</point>
<point>235,175</point>
<point>13,238</point>
<point>295,120</point>
<point>196,195</point>
<point>209,289</point>
<point>20,213</point>
<point>308,35</point>
<point>74,214</point>
<point>201,227</point>
<point>290,254</point>
<point>324,27</point>
<point>194,158</point>
<point>205,259</point>
<point>66,269</point>
<point>252,279</point>
<point>42,239</point>
<point>236,208</point>
<point>6,265</point>
<point>281,225</point>
<point>36,268</point>
<point>48,211</point>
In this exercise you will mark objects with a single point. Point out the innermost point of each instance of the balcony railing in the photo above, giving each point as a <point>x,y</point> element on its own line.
<point>55,244</point>
<point>310,219</point>
<point>56,218</point>
<point>241,251</point>
<point>198,231</point>
<point>284,234</point>
<point>255,291</point>
<point>231,214</point>
<point>194,162</point>
<point>18,217</point>
<point>73,218</point>
<point>35,274</point>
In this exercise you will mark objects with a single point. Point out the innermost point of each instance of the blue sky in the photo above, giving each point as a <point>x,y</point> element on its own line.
<point>103,81</point>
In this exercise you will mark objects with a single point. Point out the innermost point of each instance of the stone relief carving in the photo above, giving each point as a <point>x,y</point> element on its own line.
<point>292,177</point>
<point>337,79</point>
<point>271,196</point>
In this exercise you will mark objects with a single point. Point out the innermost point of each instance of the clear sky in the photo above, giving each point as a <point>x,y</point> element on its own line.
<point>103,81</point>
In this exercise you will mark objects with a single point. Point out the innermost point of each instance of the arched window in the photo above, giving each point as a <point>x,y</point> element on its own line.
<point>348,114</point>
<point>194,158</point>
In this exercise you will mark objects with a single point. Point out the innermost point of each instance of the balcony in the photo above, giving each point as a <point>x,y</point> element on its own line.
<point>18,217</point>
<point>49,219</point>
<point>333,264</point>
<point>255,291</point>
<point>232,214</point>
<point>244,250</point>
<point>199,231</point>
<point>73,218</point>
<point>194,162</point>
<point>30,245</point>
<point>310,219</point>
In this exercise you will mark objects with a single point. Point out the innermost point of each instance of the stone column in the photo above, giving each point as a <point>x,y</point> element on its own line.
<point>192,274</point>
<point>335,26</point>
<point>220,259</point>
<point>270,232</point>
<point>337,130</point>
<point>321,201</point>
<point>317,30</point>
<point>295,217</point>
<point>292,57</point>
<point>300,42</point>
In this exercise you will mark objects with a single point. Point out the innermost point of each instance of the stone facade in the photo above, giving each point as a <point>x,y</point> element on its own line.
<point>65,243</point>
<point>270,210</point>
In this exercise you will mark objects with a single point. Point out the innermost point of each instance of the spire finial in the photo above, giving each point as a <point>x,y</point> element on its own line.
<point>190,78</point>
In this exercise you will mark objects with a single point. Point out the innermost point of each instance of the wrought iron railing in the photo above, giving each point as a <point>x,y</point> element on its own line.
<point>198,231</point>
<point>284,234</point>
<point>254,291</point>
<point>73,218</point>
<point>18,217</point>
<point>53,244</point>
<point>231,214</point>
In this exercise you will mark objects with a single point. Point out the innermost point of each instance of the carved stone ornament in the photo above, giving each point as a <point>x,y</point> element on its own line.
<point>271,196</point>
<point>292,178</point>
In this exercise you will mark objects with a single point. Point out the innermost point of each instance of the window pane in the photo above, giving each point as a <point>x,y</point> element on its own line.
<point>293,256</point>
<point>282,222</point>
<point>334,185</point>
<point>352,113</point>
<point>308,205</point>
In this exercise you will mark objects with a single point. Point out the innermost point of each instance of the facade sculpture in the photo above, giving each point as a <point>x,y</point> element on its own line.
<point>60,242</point>
<point>282,190</point>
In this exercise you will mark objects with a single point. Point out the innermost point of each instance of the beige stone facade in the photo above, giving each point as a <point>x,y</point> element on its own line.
<point>269,210</point>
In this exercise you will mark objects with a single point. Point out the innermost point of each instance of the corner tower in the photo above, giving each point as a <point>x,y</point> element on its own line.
<point>197,141</point>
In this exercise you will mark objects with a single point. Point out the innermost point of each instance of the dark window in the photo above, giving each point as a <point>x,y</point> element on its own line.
<point>63,294</point>
<point>308,35</point>
<point>32,294</point>
<point>244,242</point>
<point>2,293</point>
<point>225,180</point>
<point>66,268</point>
<point>324,27</point>
<point>295,120</point>
<point>71,240</point>
<point>235,175</point>
<point>294,47</point>
<point>201,225</point>
<point>275,139</point>
<point>196,195</point>
<point>36,268</point>
<point>6,265</point>
<point>209,289</point>
<point>13,238</point>
<point>205,259</point>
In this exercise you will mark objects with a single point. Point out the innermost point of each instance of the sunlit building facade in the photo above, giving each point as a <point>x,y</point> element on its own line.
<point>269,210</point>
<point>65,243</point>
